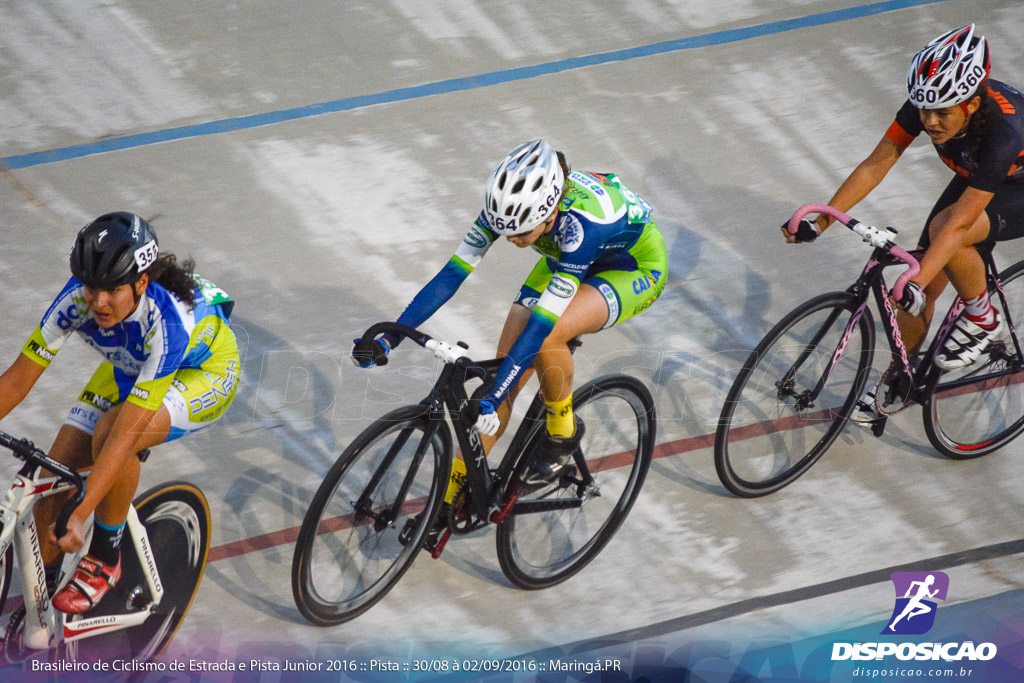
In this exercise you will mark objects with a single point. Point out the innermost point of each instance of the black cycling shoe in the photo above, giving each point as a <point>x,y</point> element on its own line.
<point>553,456</point>
<point>430,540</point>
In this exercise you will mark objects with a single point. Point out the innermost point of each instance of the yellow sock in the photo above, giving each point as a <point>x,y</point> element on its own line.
<point>560,420</point>
<point>455,481</point>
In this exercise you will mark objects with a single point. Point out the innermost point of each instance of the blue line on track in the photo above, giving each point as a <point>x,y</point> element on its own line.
<point>452,85</point>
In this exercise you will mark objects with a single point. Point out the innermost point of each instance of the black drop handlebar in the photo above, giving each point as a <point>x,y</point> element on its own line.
<point>24,449</point>
<point>395,328</point>
<point>472,368</point>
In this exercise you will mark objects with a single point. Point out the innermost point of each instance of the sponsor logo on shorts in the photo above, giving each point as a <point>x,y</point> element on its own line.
<point>562,287</point>
<point>529,302</point>
<point>222,388</point>
<point>613,303</point>
<point>179,385</point>
<point>139,393</point>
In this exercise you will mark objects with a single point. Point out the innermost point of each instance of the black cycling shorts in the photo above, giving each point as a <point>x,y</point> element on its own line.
<point>1005,212</point>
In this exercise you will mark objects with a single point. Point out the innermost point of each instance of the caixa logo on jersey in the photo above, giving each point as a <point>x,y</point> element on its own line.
<point>914,614</point>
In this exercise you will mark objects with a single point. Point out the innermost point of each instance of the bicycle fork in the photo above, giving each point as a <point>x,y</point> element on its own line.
<point>806,399</point>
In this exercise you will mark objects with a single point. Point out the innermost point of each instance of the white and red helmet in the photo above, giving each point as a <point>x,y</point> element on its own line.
<point>523,189</point>
<point>949,69</point>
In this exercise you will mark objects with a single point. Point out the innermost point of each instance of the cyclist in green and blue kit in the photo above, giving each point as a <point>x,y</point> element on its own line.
<point>603,261</point>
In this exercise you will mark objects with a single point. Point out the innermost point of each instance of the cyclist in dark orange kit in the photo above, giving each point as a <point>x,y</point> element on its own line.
<point>977,127</point>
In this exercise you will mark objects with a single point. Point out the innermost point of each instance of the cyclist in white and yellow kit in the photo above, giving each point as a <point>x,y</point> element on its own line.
<point>170,368</point>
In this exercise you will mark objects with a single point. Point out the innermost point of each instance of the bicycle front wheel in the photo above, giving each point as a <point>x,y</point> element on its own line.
<point>176,517</point>
<point>542,546</point>
<point>975,410</point>
<point>777,421</point>
<point>368,519</point>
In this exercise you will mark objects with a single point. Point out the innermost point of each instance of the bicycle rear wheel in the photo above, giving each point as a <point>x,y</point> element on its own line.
<point>389,481</point>
<point>176,516</point>
<point>975,410</point>
<point>771,430</point>
<point>539,548</point>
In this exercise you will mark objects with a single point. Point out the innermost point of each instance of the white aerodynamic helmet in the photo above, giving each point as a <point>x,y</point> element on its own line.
<point>524,189</point>
<point>949,69</point>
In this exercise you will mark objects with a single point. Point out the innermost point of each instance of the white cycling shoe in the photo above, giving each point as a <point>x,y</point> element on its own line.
<point>967,342</point>
<point>864,411</point>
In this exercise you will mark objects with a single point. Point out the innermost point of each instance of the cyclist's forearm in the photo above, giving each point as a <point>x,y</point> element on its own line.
<point>865,178</point>
<point>130,429</point>
<point>16,382</point>
<point>939,253</point>
<point>434,294</point>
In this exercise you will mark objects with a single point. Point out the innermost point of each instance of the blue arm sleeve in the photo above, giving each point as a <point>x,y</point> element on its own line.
<point>433,295</point>
<point>521,356</point>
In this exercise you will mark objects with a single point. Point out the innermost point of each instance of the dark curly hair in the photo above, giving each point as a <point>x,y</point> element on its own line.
<point>174,277</point>
<point>977,125</point>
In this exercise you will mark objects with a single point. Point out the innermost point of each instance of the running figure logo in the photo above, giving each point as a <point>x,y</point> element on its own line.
<point>914,612</point>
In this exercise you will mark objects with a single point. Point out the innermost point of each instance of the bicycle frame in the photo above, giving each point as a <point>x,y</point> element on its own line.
<point>45,627</point>
<point>871,280</point>
<point>448,400</point>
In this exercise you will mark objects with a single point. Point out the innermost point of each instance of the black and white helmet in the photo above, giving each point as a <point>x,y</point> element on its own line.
<point>113,250</point>
<point>524,189</point>
<point>949,69</point>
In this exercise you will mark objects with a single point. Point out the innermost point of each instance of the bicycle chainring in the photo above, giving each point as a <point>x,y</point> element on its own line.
<point>461,519</point>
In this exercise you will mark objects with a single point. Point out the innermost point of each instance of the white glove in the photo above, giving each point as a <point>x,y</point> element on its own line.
<point>488,421</point>
<point>913,299</point>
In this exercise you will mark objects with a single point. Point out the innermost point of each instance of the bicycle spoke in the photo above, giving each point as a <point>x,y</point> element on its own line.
<point>555,531</point>
<point>978,409</point>
<point>789,401</point>
<point>351,548</point>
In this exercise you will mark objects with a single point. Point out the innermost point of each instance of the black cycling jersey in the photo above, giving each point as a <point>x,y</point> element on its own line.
<point>1001,153</point>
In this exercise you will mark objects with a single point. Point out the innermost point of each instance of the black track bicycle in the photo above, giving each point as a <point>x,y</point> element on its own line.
<point>371,515</point>
<point>796,391</point>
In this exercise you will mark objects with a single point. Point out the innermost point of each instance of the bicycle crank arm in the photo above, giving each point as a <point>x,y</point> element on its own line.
<point>525,507</point>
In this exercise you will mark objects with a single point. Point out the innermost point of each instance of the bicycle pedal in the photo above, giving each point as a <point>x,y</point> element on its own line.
<point>137,600</point>
<point>408,529</point>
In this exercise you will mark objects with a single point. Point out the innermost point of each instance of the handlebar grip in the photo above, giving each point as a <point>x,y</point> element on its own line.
<point>24,449</point>
<point>394,328</point>
<point>794,222</point>
<point>913,269</point>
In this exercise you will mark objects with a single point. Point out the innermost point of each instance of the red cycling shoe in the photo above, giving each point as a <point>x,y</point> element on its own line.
<point>87,587</point>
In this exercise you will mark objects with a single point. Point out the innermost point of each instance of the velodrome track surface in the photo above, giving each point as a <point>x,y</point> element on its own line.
<point>321,161</point>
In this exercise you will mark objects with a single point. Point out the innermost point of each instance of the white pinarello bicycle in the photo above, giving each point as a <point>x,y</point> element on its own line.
<point>162,563</point>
